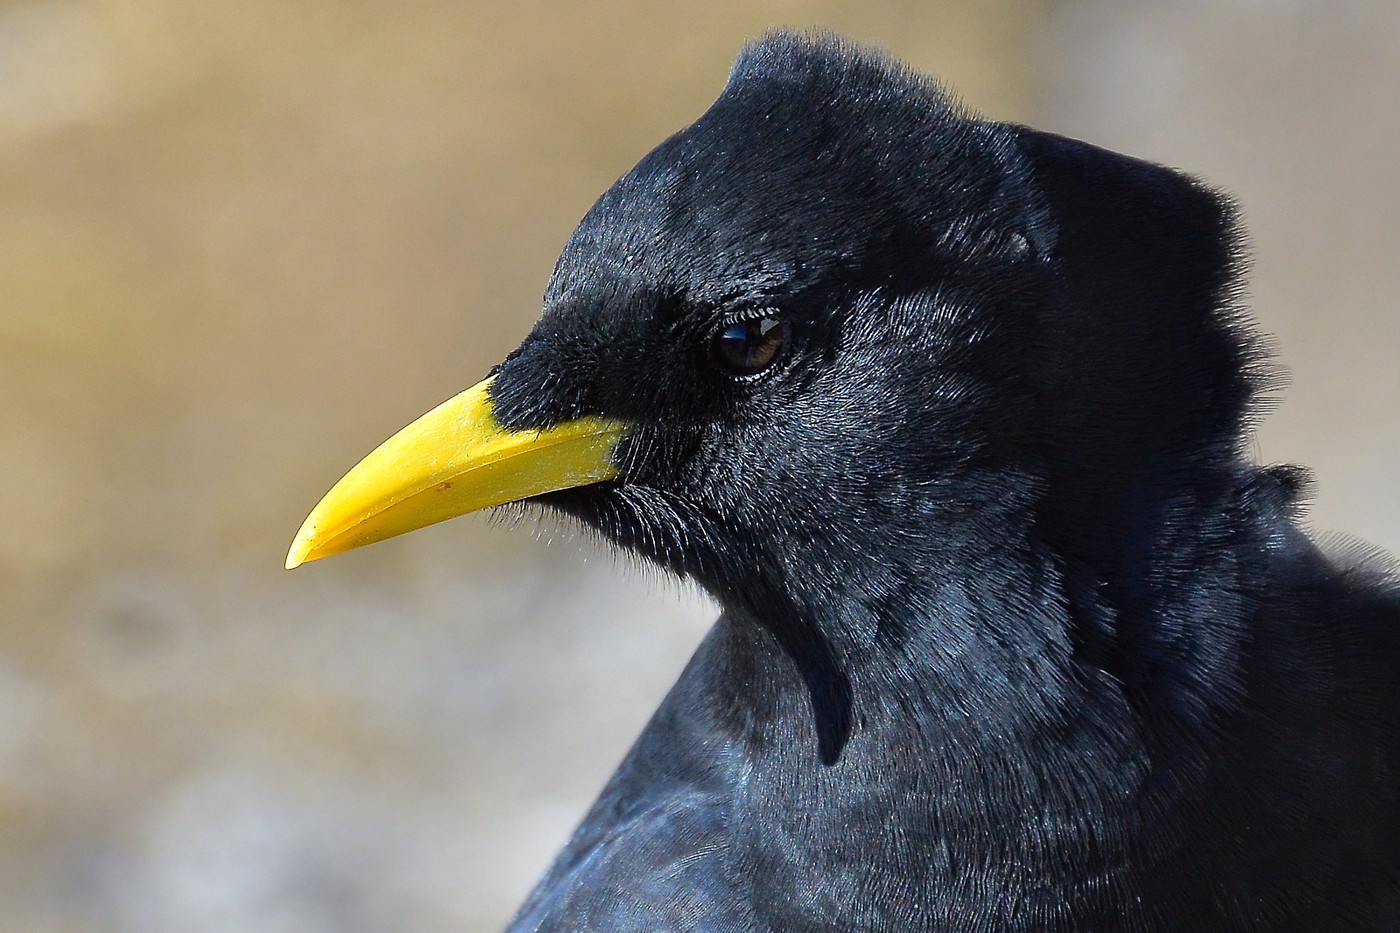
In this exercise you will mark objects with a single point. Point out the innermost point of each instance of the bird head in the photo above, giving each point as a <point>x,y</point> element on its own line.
<point>839,330</point>
<point>781,305</point>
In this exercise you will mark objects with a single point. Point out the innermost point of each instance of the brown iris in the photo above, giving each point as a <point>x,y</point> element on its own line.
<point>746,348</point>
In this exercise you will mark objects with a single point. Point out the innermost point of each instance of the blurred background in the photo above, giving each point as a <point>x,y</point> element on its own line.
<point>240,244</point>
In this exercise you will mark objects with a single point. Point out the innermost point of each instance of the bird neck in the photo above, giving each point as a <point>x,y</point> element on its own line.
<point>976,639</point>
<point>920,635</point>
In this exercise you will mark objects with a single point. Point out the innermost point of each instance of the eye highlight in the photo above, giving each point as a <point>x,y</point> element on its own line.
<point>746,348</point>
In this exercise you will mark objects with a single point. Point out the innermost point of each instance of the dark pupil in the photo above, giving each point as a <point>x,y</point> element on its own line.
<point>746,347</point>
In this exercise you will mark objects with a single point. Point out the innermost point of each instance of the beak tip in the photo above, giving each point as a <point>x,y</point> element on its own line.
<point>300,550</point>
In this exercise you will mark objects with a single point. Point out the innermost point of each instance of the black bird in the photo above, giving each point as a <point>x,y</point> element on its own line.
<point>950,417</point>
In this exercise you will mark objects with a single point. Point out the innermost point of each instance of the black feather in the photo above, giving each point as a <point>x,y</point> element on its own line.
<point>1015,638</point>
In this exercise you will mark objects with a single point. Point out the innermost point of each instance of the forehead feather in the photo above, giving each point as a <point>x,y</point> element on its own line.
<point>817,158</point>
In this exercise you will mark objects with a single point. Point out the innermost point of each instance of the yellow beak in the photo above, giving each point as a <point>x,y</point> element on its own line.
<point>455,459</point>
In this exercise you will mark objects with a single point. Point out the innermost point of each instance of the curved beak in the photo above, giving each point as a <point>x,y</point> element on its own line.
<point>455,459</point>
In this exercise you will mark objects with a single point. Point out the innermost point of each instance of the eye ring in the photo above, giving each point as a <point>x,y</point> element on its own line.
<point>743,349</point>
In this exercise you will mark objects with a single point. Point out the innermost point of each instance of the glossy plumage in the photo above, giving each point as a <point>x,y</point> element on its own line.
<point>1014,637</point>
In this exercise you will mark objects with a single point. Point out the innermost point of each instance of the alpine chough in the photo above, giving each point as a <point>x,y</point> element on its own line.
<point>950,416</point>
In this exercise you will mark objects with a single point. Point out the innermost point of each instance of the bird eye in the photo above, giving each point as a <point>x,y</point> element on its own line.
<point>745,348</point>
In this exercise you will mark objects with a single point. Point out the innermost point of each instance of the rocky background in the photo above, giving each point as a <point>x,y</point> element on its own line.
<point>242,243</point>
